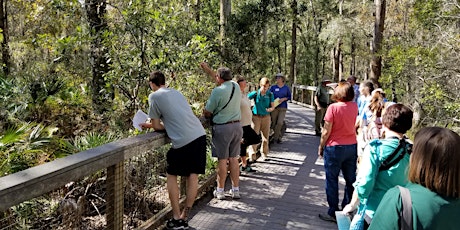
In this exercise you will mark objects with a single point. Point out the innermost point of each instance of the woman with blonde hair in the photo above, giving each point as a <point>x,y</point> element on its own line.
<point>434,188</point>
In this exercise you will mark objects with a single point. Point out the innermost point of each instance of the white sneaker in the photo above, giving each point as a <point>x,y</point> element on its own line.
<point>235,194</point>
<point>219,195</point>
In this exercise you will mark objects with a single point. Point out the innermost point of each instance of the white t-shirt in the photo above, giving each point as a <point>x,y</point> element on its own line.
<point>246,113</point>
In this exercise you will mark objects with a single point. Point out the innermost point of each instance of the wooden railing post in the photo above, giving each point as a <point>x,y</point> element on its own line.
<point>115,196</point>
<point>312,99</point>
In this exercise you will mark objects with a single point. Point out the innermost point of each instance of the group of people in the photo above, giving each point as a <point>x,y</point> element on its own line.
<point>238,128</point>
<point>364,138</point>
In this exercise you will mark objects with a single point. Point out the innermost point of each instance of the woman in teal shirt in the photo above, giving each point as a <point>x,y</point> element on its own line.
<point>373,181</point>
<point>263,105</point>
<point>434,175</point>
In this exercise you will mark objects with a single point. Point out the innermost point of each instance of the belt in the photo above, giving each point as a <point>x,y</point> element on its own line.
<point>230,122</point>
<point>257,115</point>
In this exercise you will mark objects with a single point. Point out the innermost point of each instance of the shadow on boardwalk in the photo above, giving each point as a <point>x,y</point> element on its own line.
<point>286,192</point>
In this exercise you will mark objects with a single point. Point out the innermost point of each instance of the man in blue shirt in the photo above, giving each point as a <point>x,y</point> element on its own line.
<point>282,93</point>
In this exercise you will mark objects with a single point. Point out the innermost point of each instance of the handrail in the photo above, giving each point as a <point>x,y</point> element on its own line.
<point>47,177</point>
<point>304,95</point>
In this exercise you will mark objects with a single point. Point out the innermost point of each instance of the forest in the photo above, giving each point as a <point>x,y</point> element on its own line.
<point>74,72</point>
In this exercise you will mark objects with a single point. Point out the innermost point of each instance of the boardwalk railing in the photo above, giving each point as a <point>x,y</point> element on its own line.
<point>39,180</point>
<point>304,95</point>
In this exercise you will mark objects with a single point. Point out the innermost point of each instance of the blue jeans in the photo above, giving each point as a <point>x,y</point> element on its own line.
<point>336,158</point>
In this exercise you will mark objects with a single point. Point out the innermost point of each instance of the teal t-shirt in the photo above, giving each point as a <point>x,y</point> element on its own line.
<point>371,185</point>
<point>429,210</point>
<point>219,97</point>
<point>261,102</point>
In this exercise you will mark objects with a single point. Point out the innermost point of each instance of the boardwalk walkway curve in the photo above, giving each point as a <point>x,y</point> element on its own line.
<point>286,192</point>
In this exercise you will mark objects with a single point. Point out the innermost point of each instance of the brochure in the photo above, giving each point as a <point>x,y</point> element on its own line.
<point>139,117</point>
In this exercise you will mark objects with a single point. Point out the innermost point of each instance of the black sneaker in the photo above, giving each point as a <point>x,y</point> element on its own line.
<point>327,217</point>
<point>173,224</point>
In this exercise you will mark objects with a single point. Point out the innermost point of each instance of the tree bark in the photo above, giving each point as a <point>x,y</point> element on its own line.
<point>100,62</point>
<point>5,45</point>
<point>197,10</point>
<point>353,55</point>
<point>278,49</point>
<point>376,61</point>
<point>292,72</point>
<point>225,10</point>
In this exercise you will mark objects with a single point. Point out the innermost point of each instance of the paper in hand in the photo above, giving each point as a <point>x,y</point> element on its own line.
<point>139,117</point>
<point>276,102</point>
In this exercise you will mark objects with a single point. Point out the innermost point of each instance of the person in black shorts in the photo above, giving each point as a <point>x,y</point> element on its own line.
<point>187,156</point>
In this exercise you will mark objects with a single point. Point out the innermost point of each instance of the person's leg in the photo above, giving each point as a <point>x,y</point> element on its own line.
<point>221,173</point>
<point>265,130</point>
<point>256,126</point>
<point>243,155</point>
<point>234,171</point>
<point>332,168</point>
<point>318,119</point>
<point>349,172</point>
<point>173,192</point>
<point>274,118</point>
<point>192,188</point>
<point>235,135</point>
<point>323,113</point>
<point>279,123</point>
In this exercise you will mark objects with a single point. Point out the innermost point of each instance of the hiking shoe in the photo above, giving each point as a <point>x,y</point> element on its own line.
<point>235,194</point>
<point>248,169</point>
<point>176,224</point>
<point>327,217</point>
<point>219,195</point>
<point>279,141</point>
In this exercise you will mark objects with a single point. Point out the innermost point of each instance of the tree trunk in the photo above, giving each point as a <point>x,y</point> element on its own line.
<point>376,62</point>
<point>353,56</point>
<point>197,10</point>
<point>278,48</point>
<point>5,45</point>
<point>292,72</point>
<point>225,9</point>
<point>335,55</point>
<point>100,62</point>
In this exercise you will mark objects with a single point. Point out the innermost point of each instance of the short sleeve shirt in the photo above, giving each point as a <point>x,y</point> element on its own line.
<point>342,115</point>
<point>219,97</point>
<point>261,102</point>
<point>246,114</point>
<point>181,124</point>
<point>281,92</point>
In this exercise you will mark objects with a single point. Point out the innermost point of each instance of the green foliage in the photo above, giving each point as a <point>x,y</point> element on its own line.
<point>426,10</point>
<point>25,146</point>
<point>92,140</point>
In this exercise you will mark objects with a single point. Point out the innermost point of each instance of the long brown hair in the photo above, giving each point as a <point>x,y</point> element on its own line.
<point>435,161</point>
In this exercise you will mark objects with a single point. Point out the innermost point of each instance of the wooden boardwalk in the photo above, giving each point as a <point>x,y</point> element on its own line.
<point>286,192</point>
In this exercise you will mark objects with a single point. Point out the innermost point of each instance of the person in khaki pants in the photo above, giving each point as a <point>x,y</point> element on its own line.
<point>283,94</point>
<point>263,105</point>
